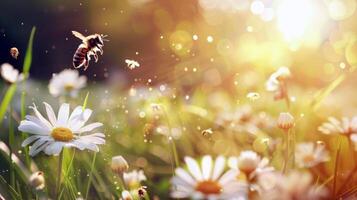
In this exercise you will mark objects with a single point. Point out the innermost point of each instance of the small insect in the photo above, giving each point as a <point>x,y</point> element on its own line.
<point>253,96</point>
<point>14,52</point>
<point>207,132</point>
<point>90,46</point>
<point>132,64</point>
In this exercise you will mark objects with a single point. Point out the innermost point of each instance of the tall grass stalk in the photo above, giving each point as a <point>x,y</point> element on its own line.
<point>11,145</point>
<point>90,174</point>
<point>59,174</point>
<point>336,168</point>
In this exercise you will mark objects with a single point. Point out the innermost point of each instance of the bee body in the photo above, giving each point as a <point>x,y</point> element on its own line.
<point>80,56</point>
<point>90,46</point>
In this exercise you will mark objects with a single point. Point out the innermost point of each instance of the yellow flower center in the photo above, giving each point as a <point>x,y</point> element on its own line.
<point>69,87</point>
<point>208,187</point>
<point>62,134</point>
<point>309,158</point>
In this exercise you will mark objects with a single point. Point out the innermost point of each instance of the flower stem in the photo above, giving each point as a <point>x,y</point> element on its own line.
<point>90,174</point>
<point>11,142</point>
<point>287,138</point>
<point>59,174</point>
<point>336,168</point>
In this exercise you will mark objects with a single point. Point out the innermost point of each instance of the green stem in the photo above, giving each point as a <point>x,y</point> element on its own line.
<point>286,133</point>
<point>11,144</point>
<point>90,174</point>
<point>59,173</point>
<point>24,135</point>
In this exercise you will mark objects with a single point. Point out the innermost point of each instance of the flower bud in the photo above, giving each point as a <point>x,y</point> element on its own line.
<point>248,161</point>
<point>126,195</point>
<point>286,121</point>
<point>119,164</point>
<point>37,180</point>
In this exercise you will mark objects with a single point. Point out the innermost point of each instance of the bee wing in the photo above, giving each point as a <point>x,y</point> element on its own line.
<point>78,35</point>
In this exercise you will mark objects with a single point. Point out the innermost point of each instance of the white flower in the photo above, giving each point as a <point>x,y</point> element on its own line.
<point>67,82</point>
<point>250,163</point>
<point>308,155</point>
<point>125,195</point>
<point>347,127</point>
<point>207,181</point>
<point>132,64</point>
<point>285,121</point>
<point>294,186</point>
<point>335,126</point>
<point>119,164</point>
<point>273,83</point>
<point>65,130</point>
<point>133,178</point>
<point>10,74</point>
<point>37,180</point>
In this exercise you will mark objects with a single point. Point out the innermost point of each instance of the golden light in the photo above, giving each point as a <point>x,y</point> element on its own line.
<point>294,17</point>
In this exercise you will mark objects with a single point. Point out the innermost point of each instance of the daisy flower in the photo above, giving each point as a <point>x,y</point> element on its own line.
<point>207,181</point>
<point>67,82</point>
<point>347,127</point>
<point>274,80</point>
<point>250,163</point>
<point>132,64</point>
<point>134,178</point>
<point>277,83</point>
<point>66,130</point>
<point>10,74</point>
<point>125,195</point>
<point>308,155</point>
<point>294,186</point>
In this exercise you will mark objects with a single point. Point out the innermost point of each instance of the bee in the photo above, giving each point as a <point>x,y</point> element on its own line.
<point>90,46</point>
<point>14,52</point>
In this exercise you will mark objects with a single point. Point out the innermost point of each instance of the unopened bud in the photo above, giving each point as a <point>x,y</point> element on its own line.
<point>286,121</point>
<point>37,180</point>
<point>119,164</point>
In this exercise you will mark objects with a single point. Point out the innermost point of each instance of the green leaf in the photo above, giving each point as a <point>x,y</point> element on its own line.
<point>6,101</point>
<point>28,55</point>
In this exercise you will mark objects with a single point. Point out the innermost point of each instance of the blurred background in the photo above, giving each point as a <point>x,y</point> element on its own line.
<point>199,59</point>
<point>171,38</point>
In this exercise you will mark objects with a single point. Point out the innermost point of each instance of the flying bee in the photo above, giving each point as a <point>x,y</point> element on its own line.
<point>90,46</point>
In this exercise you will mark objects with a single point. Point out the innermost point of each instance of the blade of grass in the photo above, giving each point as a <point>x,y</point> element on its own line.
<point>322,94</point>
<point>336,168</point>
<point>11,144</point>
<point>26,70</point>
<point>12,191</point>
<point>6,101</point>
<point>90,174</point>
<point>28,56</point>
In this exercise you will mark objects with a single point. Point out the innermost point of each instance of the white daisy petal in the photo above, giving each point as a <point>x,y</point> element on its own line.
<point>63,115</point>
<point>194,168</point>
<point>54,148</point>
<point>31,127</point>
<point>29,140</point>
<point>40,117</point>
<point>50,114</point>
<point>206,167</point>
<point>90,127</point>
<point>218,167</point>
<point>185,176</point>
